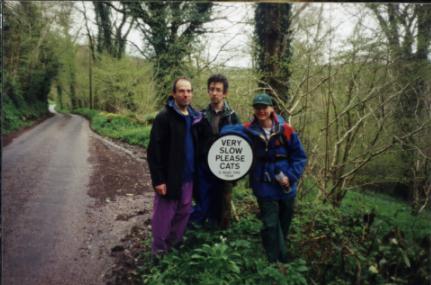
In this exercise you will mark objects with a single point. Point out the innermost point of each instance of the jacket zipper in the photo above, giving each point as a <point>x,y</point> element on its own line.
<point>266,141</point>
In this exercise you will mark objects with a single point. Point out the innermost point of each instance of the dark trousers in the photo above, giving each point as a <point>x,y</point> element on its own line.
<point>276,216</point>
<point>214,202</point>
<point>220,210</point>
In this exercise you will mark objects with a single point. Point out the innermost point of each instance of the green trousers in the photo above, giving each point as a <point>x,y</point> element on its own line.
<point>276,216</point>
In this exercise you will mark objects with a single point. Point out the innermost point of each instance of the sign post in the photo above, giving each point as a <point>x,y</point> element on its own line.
<point>230,157</point>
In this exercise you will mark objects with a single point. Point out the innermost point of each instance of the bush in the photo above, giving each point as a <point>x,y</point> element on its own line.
<point>15,117</point>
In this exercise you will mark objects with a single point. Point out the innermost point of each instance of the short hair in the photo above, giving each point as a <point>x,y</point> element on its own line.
<point>218,78</point>
<point>174,86</point>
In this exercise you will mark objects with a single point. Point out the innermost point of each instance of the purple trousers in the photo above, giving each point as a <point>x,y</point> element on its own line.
<point>170,219</point>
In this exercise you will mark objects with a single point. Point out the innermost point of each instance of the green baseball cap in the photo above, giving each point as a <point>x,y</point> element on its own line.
<point>262,99</point>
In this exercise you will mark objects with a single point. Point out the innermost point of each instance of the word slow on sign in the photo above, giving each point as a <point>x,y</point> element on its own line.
<point>230,157</point>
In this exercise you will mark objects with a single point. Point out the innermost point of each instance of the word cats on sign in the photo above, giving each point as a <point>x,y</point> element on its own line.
<point>230,157</point>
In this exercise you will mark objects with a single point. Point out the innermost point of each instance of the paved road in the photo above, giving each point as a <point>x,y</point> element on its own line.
<point>45,177</point>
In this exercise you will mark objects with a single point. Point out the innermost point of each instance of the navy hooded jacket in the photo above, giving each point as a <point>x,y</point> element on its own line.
<point>282,150</point>
<point>169,148</point>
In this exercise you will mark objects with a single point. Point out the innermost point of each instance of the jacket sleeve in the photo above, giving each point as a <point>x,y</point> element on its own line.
<point>297,159</point>
<point>236,129</point>
<point>159,137</point>
<point>235,119</point>
<point>205,140</point>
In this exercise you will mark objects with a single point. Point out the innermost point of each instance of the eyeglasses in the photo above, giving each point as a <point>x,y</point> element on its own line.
<point>214,89</point>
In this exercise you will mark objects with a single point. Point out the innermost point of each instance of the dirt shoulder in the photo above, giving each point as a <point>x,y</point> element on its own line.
<point>121,186</point>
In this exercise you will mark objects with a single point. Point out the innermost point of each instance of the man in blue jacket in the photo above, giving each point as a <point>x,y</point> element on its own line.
<point>279,161</point>
<point>172,155</point>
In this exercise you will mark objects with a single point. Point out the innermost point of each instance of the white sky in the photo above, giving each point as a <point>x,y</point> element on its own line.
<point>230,41</point>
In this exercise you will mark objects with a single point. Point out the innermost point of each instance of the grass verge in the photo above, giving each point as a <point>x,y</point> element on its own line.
<point>117,126</point>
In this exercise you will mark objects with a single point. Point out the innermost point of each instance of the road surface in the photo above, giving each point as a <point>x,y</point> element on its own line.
<point>53,231</point>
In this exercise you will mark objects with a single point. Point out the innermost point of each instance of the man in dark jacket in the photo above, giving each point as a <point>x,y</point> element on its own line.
<point>172,158</point>
<point>213,199</point>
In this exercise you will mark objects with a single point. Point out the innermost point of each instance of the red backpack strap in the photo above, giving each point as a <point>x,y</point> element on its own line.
<point>246,125</point>
<point>287,131</point>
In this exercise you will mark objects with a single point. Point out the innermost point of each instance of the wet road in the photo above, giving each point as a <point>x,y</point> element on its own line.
<point>44,213</point>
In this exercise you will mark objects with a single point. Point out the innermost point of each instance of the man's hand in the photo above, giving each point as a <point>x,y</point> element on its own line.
<point>160,189</point>
<point>285,182</point>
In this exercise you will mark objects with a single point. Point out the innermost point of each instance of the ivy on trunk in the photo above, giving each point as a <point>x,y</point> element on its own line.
<point>273,51</point>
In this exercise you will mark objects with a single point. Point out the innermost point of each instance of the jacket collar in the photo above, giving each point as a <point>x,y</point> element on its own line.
<point>196,116</point>
<point>256,129</point>
<point>226,111</point>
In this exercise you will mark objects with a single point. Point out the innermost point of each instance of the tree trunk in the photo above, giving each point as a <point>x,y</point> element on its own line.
<point>273,53</point>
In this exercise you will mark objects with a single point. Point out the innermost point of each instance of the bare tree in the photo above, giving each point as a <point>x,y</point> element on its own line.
<point>351,100</point>
<point>407,28</point>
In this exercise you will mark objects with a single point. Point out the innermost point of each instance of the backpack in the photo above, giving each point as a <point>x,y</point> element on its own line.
<point>286,135</point>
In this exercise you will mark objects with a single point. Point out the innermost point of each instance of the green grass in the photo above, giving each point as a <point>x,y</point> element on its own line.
<point>117,126</point>
<point>390,211</point>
